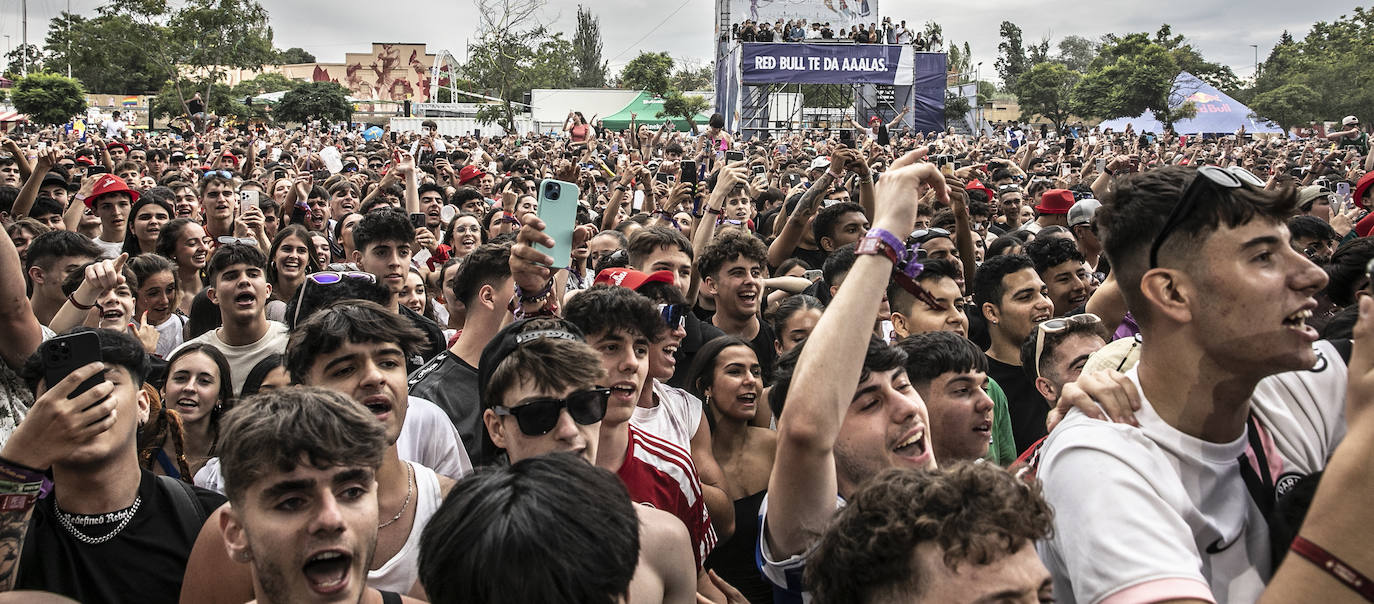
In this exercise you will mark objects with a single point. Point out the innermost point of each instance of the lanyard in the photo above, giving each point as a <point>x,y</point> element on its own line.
<point>1261,484</point>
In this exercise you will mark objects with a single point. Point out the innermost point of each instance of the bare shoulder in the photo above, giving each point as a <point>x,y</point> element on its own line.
<point>445,484</point>
<point>658,528</point>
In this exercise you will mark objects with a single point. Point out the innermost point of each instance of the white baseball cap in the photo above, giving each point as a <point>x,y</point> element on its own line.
<point>1350,119</point>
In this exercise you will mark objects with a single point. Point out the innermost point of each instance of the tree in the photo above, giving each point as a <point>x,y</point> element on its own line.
<point>1046,90</point>
<point>107,54</point>
<point>295,55</point>
<point>1131,74</point>
<point>1011,56</point>
<point>262,84</point>
<point>1332,60</point>
<point>1289,105</point>
<point>586,42</point>
<point>649,72</point>
<point>201,37</point>
<point>49,98</point>
<point>512,54</point>
<point>685,106</point>
<point>956,107</point>
<point>1076,52</point>
<point>15,59</point>
<point>693,76</point>
<point>325,101</point>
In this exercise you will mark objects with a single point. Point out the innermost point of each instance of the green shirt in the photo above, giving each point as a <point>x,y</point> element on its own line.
<point>1003,449</point>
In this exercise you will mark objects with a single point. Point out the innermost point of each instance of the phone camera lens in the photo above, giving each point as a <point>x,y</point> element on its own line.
<point>551,192</point>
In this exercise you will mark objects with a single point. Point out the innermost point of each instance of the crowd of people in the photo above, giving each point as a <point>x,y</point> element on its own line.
<point>800,30</point>
<point>294,364</point>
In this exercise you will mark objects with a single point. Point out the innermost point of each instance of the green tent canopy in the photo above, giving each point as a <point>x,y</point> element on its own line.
<point>647,107</point>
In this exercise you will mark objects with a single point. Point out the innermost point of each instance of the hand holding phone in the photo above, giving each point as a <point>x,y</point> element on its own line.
<point>248,200</point>
<point>558,210</point>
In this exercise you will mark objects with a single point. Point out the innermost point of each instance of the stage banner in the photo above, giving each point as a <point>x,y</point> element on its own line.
<point>794,63</point>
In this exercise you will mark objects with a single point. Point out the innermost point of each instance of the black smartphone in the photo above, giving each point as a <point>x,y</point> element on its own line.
<point>417,220</point>
<point>793,180</point>
<point>760,170</point>
<point>320,175</point>
<point>734,156</point>
<point>65,354</point>
<point>847,137</point>
<point>664,178</point>
<point>689,171</point>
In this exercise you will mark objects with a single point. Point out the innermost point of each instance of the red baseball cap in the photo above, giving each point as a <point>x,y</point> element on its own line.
<point>109,184</point>
<point>231,156</point>
<point>1055,201</point>
<point>633,279</point>
<point>977,185</point>
<point>113,144</point>
<point>469,173</point>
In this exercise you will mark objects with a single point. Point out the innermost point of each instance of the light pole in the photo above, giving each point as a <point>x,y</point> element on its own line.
<point>977,100</point>
<point>1256,47</point>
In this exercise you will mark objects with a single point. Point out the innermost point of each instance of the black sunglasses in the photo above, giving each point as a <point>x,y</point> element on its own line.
<point>538,416</point>
<point>1209,179</point>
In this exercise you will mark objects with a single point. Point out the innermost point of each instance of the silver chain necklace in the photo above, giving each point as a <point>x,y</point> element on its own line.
<point>66,520</point>
<point>410,489</point>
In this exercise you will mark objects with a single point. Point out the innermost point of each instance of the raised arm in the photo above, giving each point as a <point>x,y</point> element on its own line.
<point>793,230</point>
<point>802,487</point>
<point>17,322</point>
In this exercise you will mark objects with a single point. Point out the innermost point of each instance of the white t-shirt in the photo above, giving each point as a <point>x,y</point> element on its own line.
<point>429,439</point>
<point>1151,513</point>
<point>113,128</point>
<point>170,334</point>
<point>109,249</point>
<point>243,358</point>
<point>675,418</point>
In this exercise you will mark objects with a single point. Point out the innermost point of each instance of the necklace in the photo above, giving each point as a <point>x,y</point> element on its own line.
<point>123,516</point>
<point>410,490</point>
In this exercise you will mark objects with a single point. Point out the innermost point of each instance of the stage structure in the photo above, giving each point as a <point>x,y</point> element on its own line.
<point>759,84</point>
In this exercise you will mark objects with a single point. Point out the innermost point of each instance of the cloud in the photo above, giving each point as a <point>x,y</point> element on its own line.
<point>1223,31</point>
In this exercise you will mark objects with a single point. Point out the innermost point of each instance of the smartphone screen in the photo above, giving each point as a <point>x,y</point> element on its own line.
<point>689,171</point>
<point>67,353</point>
<point>558,210</point>
<point>734,156</point>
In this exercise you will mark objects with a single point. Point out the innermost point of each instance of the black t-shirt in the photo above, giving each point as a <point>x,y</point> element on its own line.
<point>815,258</point>
<point>698,334</point>
<point>143,563</point>
<point>763,345</point>
<point>1028,410</point>
<point>433,334</point>
<point>451,383</point>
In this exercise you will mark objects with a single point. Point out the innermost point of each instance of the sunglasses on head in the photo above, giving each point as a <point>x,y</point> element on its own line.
<point>326,278</point>
<point>536,417</point>
<point>222,173</point>
<point>1209,179</point>
<point>1058,325</point>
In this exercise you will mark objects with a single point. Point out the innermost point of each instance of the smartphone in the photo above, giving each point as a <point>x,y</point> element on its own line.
<point>813,275</point>
<point>847,137</point>
<point>793,180</point>
<point>1343,190</point>
<point>417,220</point>
<point>558,210</point>
<point>734,156</point>
<point>664,178</point>
<point>689,171</point>
<point>65,354</point>
<point>248,199</point>
<point>760,170</point>
<point>1101,164</point>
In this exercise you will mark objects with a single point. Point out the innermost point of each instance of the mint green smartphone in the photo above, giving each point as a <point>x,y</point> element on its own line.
<point>558,210</point>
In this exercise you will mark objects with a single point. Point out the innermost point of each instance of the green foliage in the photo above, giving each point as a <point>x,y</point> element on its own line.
<point>325,101</point>
<point>200,38</point>
<point>1135,72</point>
<point>49,98</point>
<point>1011,56</point>
<point>1289,105</point>
<point>109,54</point>
<point>689,77</point>
<point>1332,61</point>
<point>685,106</point>
<point>222,101</point>
<point>1046,90</point>
<point>649,72</point>
<point>295,55</point>
<point>508,63</point>
<point>14,59</point>
<point>956,107</point>
<point>1076,52</point>
<point>586,44</point>
<point>262,84</point>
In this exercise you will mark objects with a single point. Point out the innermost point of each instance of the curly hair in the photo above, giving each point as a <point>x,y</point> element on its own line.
<point>975,513</point>
<point>728,247</point>
<point>1049,252</point>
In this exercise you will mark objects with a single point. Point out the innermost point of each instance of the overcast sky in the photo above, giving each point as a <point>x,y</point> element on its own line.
<point>1223,31</point>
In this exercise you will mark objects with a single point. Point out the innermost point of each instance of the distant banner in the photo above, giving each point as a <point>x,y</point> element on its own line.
<point>793,63</point>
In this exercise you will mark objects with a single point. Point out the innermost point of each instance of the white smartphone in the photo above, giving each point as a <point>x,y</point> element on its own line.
<point>248,199</point>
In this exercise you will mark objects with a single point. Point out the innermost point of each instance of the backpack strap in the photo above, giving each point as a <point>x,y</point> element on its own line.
<point>189,512</point>
<point>390,597</point>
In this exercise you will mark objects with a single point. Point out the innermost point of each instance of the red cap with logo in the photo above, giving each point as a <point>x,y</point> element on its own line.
<point>469,173</point>
<point>633,279</point>
<point>1055,201</point>
<point>109,184</point>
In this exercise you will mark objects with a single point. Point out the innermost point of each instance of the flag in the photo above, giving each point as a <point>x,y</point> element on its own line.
<point>130,101</point>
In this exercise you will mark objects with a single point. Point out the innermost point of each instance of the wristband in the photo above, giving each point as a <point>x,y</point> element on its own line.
<point>536,296</point>
<point>21,486</point>
<point>711,210</point>
<point>72,298</point>
<point>1334,566</point>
